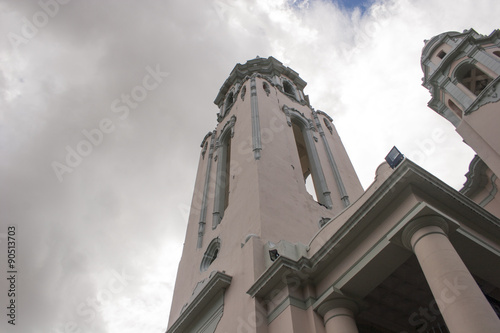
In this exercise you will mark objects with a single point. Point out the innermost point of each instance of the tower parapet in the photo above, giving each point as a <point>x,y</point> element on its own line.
<point>285,79</point>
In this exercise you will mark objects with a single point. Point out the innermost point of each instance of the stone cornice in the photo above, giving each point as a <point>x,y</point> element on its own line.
<point>218,281</point>
<point>269,66</point>
<point>274,275</point>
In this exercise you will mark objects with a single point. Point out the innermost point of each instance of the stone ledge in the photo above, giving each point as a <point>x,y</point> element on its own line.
<point>217,282</point>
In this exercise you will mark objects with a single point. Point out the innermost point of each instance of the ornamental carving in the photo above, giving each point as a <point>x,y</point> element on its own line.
<point>266,88</point>
<point>243,92</point>
<point>204,150</point>
<point>488,95</point>
<point>328,125</point>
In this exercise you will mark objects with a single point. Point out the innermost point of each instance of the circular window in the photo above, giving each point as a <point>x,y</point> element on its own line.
<point>210,254</point>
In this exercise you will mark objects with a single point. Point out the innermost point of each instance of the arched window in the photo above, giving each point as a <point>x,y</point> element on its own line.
<point>474,79</point>
<point>210,254</point>
<point>312,173</point>
<point>453,107</point>
<point>222,180</point>
<point>288,88</point>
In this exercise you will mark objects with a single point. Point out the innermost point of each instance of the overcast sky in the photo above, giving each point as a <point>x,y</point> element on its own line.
<point>130,85</point>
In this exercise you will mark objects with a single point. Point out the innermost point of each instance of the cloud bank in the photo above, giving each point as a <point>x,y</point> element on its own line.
<point>118,96</point>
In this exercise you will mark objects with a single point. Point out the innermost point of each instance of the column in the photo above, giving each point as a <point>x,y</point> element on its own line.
<point>338,315</point>
<point>461,302</point>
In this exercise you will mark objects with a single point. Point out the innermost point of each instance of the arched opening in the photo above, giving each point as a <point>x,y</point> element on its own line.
<point>222,181</point>
<point>474,79</point>
<point>453,107</point>
<point>210,254</point>
<point>288,88</point>
<point>305,164</point>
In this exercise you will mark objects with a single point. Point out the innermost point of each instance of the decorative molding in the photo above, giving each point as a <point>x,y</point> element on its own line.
<point>243,92</point>
<point>476,177</point>
<point>328,125</point>
<point>203,210</point>
<point>311,125</point>
<point>422,222</point>
<point>204,150</point>
<point>324,114</point>
<point>292,112</point>
<point>286,110</point>
<point>256,142</point>
<point>493,192</point>
<point>266,88</point>
<point>229,125</point>
<point>216,283</point>
<point>333,165</point>
<point>210,254</point>
<point>488,95</point>
<point>225,109</point>
<point>247,238</point>
<point>205,138</point>
<point>219,198</point>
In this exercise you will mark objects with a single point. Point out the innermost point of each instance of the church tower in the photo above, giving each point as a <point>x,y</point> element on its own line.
<point>270,175</point>
<point>462,72</point>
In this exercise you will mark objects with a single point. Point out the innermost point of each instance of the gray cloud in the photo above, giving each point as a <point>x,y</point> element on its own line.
<point>122,211</point>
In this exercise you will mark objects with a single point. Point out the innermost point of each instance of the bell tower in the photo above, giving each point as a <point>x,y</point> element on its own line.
<point>462,72</point>
<point>270,174</point>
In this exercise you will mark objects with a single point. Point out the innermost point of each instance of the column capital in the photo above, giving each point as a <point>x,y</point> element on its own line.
<point>340,302</point>
<point>440,226</point>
